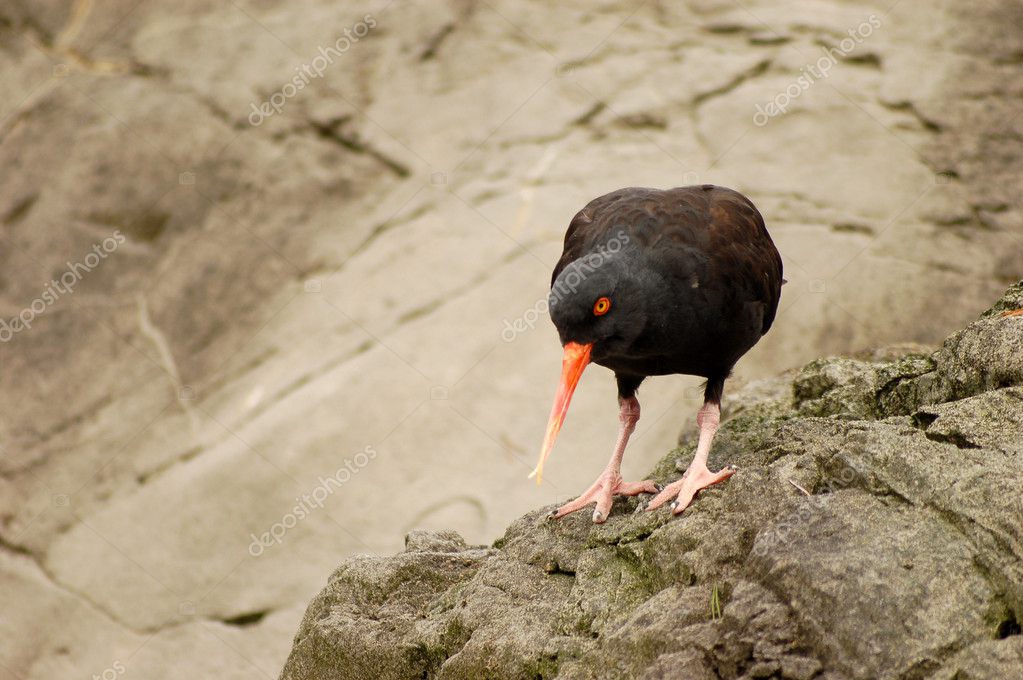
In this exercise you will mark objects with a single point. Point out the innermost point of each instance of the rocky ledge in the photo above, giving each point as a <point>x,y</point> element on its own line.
<point>875,530</point>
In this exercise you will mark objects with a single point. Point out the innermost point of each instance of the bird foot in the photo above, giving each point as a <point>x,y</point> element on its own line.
<point>603,491</point>
<point>684,490</point>
<point>1013,312</point>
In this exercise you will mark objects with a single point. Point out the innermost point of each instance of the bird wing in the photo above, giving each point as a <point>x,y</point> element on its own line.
<point>745,252</point>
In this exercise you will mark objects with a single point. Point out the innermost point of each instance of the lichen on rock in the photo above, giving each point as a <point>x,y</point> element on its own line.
<point>903,561</point>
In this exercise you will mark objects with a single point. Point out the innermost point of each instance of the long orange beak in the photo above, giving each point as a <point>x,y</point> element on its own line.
<point>572,364</point>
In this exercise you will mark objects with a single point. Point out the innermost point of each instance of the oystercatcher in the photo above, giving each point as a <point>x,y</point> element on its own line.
<point>656,282</point>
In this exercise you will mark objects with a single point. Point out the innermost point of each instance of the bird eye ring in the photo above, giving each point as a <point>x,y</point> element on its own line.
<point>601,307</point>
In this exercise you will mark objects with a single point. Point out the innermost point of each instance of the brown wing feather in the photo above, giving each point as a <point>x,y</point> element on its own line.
<point>744,250</point>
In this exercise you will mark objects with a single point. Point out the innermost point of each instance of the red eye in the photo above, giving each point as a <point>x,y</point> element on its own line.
<point>602,306</point>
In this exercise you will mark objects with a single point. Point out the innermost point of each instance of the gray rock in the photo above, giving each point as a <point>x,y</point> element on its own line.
<point>420,540</point>
<point>902,562</point>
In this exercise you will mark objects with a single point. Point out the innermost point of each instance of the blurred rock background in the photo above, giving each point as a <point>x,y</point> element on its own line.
<point>309,278</point>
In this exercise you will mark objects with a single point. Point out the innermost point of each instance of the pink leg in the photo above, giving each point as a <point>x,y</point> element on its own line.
<point>697,477</point>
<point>609,483</point>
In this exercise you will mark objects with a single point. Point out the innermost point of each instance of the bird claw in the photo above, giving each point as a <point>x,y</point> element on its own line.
<point>602,492</point>
<point>683,491</point>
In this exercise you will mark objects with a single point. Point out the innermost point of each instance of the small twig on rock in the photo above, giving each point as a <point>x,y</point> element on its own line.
<point>795,484</point>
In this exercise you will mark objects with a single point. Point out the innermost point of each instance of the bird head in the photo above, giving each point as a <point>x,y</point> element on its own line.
<point>598,308</point>
<point>598,301</point>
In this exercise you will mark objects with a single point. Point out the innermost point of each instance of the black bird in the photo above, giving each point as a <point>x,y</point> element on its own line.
<point>655,282</point>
